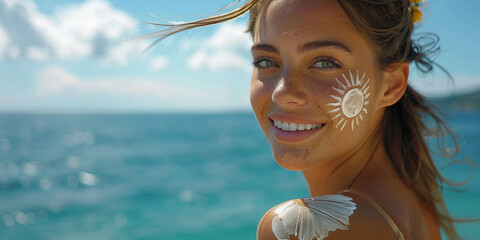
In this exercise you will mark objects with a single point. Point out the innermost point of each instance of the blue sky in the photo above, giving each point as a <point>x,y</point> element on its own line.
<point>59,56</point>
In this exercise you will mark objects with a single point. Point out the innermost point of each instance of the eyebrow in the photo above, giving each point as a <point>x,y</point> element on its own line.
<point>323,43</point>
<point>264,47</point>
<point>304,48</point>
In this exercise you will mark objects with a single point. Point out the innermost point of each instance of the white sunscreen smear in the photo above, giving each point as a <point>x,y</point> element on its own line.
<point>351,100</point>
<point>319,216</point>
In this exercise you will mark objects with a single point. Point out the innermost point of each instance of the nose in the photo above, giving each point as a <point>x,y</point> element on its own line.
<point>290,91</point>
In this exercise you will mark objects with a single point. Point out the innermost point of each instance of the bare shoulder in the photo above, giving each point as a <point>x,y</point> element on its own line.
<point>264,229</point>
<point>363,223</point>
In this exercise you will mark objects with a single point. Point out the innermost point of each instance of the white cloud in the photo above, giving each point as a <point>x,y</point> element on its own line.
<point>158,63</point>
<point>122,53</point>
<point>467,83</point>
<point>36,53</point>
<point>227,48</point>
<point>57,81</point>
<point>3,41</point>
<point>436,86</point>
<point>185,45</point>
<point>74,31</point>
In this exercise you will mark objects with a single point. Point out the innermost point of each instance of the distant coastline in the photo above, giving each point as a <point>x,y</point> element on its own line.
<point>468,102</point>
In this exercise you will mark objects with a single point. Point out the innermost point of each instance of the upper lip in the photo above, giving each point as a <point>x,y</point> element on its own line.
<point>292,118</point>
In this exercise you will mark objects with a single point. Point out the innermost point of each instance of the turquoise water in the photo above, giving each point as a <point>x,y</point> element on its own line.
<point>188,176</point>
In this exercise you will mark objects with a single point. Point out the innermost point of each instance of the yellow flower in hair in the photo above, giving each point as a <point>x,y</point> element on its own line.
<point>417,14</point>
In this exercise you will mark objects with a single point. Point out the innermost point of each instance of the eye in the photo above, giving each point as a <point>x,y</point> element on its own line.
<point>326,63</point>
<point>262,63</point>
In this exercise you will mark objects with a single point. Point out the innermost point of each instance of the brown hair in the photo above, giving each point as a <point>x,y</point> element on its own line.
<point>388,25</point>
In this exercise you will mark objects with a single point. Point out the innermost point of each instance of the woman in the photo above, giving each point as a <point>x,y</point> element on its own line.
<point>330,91</point>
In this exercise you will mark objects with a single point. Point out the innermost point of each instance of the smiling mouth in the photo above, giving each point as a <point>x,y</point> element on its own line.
<point>294,127</point>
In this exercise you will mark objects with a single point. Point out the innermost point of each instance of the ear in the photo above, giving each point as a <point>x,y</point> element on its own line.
<point>395,82</point>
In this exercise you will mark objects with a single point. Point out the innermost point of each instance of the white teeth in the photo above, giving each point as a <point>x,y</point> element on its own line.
<point>285,126</point>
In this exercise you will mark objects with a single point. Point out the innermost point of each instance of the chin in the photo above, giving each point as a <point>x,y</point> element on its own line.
<point>296,159</point>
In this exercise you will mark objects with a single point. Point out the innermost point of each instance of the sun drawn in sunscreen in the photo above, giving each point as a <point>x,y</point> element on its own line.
<point>351,101</point>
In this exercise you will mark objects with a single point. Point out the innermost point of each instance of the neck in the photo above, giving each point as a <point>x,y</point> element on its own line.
<point>339,174</point>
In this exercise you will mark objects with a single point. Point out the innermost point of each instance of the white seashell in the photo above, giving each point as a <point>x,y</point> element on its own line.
<point>317,218</point>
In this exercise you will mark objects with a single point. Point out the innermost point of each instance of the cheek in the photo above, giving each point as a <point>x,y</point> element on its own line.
<point>260,100</point>
<point>350,100</point>
<point>257,95</point>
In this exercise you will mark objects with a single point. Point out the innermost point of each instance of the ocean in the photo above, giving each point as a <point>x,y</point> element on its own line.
<point>162,176</point>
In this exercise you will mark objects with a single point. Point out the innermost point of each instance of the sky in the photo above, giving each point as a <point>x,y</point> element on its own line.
<point>71,56</point>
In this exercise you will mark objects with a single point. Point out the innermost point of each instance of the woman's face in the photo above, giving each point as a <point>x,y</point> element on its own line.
<point>309,62</point>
